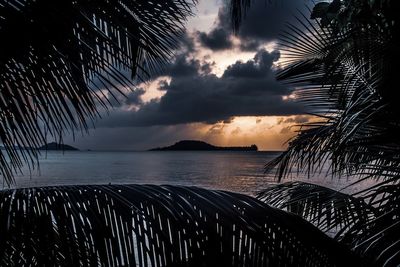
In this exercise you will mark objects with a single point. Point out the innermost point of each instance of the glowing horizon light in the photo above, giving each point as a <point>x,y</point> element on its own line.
<point>267,132</point>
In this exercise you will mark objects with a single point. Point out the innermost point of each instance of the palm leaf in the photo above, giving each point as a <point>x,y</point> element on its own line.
<point>379,239</point>
<point>340,63</point>
<point>58,58</point>
<point>367,223</point>
<point>328,209</point>
<point>144,225</point>
<point>340,77</point>
<point>238,10</point>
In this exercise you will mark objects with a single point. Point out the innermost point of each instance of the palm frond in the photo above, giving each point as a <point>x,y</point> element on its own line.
<point>340,61</point>
<point>340,77</point>
<point>145,225</point>
<point>58,58</point>
<point>379,238</point>
<point>238,10</point>
<point>331,211</point>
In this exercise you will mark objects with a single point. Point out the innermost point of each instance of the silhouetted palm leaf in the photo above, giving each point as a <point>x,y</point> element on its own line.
<point>143,225</point>
<point>379,238</point>
<point>341,62</point>
<point>328,209</point>
<point>61,60</point>
<point>343,89</point>
<point>238,10</point>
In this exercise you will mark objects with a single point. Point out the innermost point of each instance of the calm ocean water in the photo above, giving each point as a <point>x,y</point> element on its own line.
<point>234,171</point>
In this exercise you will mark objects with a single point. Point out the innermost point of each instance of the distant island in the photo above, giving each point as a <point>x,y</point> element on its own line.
<point>57,146</point>
<point>203,146</point>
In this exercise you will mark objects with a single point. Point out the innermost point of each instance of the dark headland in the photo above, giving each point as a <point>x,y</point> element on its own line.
<point>57,146</point>
<point>202,146</point>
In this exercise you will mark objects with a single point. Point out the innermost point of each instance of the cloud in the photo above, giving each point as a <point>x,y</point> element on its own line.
<point>219,37</point>
<point>183,67</point>
<point>192,95</point>
<point>250,45</point>
<point>216,129</point>
<point>135,97</point>
<point>266,21</point>
<point>236,131</point>
<point>258,68</point>
<point>216,39</point>
<point>187,101</point>
<point>299,119</point>
<point>263,23</point>
<point>286,130</point>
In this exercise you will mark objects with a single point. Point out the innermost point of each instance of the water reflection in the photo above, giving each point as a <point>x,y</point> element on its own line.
<point>234,171</point>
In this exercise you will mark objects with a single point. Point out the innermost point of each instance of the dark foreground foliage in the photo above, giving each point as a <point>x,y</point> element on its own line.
<point>343,62</point>
<point>57,56</point>
<point>144,225</point>
<point>331,211</point>
<point>63,61</point>
<point>366,222</point>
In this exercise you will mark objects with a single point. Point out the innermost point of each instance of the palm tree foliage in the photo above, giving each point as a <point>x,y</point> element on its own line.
<point>61,60</point>
<point>342,62</point>
<point>367,221</point>
<point>341,72</point>
<point>144,225</point>
<point>330,210</point>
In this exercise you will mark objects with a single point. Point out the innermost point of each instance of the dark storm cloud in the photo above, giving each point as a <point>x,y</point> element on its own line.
<point>264,22</point>
<point>219,38</point>
<point>250,45</point>
<point>259,67</point>
<point>135,97</point>
<point>187,43</point>
<point>245,89</point>
<point>216,39</point>
<point>183,67</point>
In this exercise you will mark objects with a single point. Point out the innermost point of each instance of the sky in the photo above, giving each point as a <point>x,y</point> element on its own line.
<point>219,88</point>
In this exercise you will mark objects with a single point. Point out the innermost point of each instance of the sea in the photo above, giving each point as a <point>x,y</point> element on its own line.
<point>237,171</point>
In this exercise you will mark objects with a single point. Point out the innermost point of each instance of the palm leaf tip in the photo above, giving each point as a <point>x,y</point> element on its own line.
<point>238,9</point>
